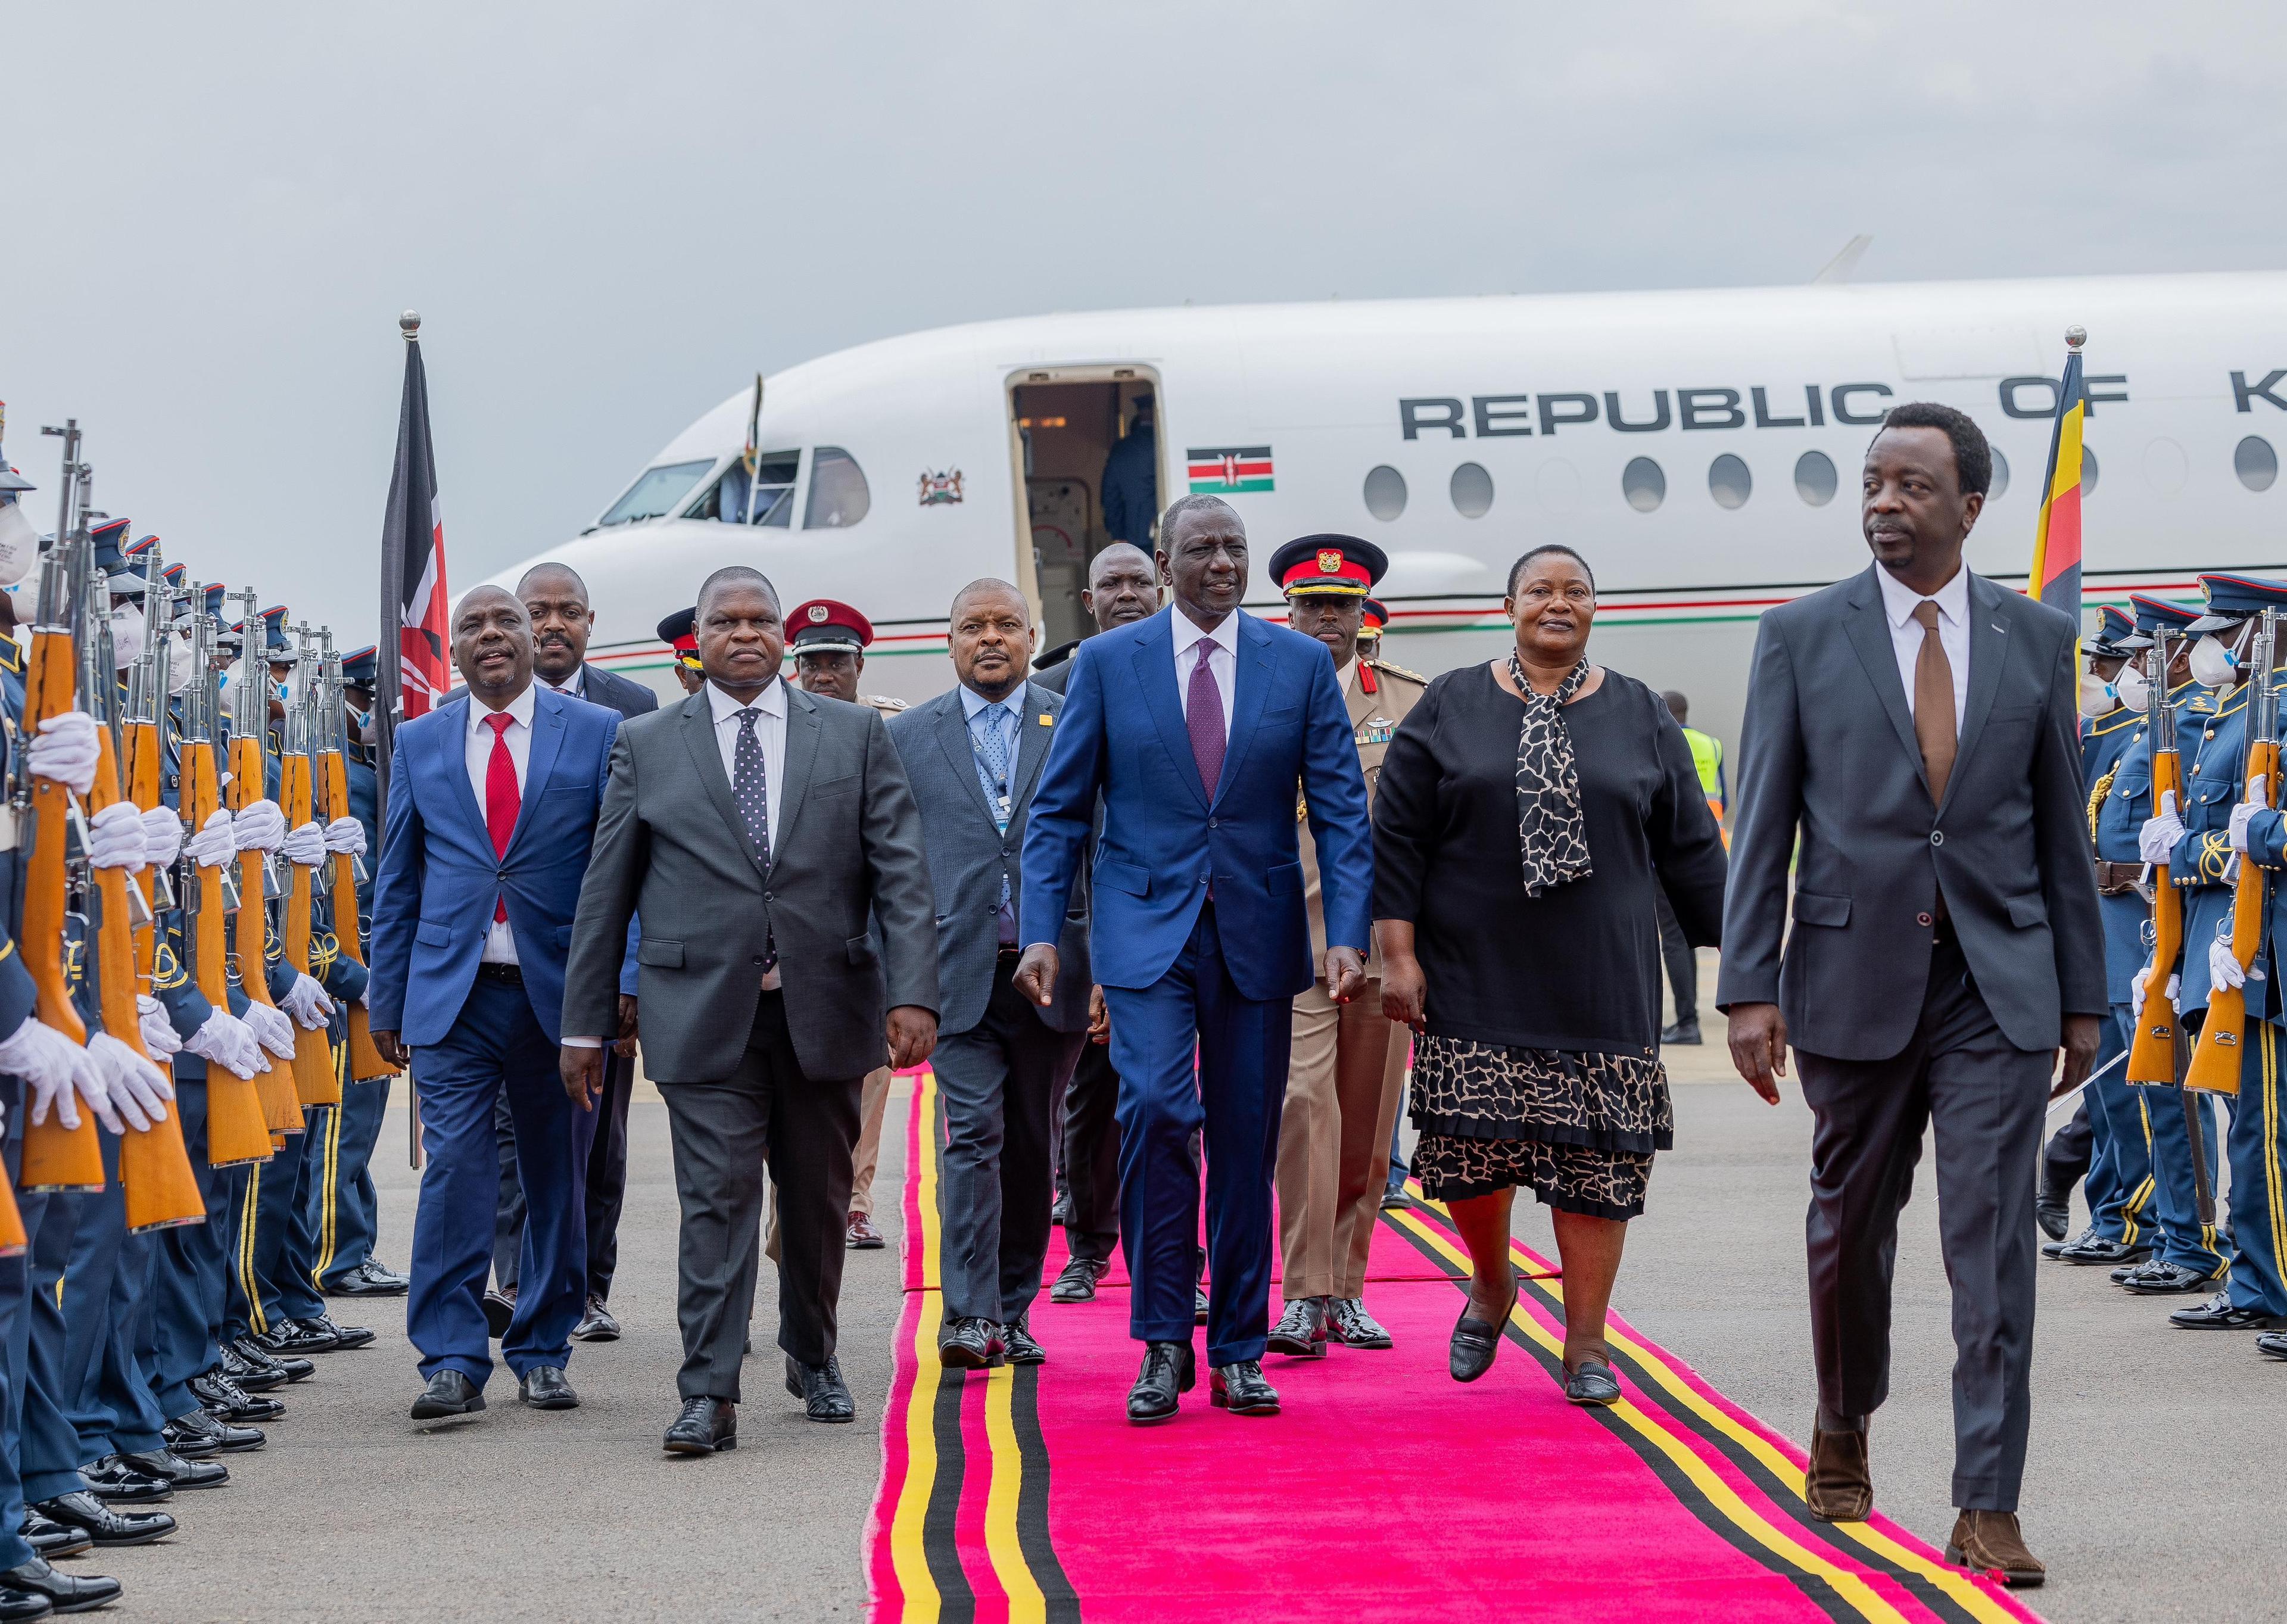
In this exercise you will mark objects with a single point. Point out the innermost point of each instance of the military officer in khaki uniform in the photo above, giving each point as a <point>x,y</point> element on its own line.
<point>1348,1060</point>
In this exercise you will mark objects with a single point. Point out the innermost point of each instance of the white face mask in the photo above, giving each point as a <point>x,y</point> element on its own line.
<point>126,636</point>
<point>2096,696</point>
<point>2130,688</point>
<point>178,661</point>
<point>2213,665</point>
<point>20,544</point>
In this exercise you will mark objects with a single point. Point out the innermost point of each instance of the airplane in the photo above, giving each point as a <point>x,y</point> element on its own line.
<point>1694,446</point>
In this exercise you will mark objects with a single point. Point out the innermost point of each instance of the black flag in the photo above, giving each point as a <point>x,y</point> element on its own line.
<point>415,665</point>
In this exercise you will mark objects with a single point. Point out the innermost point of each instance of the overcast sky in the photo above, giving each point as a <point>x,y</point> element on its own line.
<point>610,216</point>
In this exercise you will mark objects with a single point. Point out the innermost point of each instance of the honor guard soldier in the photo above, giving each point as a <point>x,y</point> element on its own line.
<point>828,641</point>
<point>1348,1064</point>
<point>2215,836</point>
<point>680,632</point>
<point>2106,1141</point>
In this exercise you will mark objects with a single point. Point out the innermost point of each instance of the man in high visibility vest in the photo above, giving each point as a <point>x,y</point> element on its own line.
<point>1682,964</point>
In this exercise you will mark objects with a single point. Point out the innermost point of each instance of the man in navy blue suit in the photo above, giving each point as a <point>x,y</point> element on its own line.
<point>1196,727</point>
<point>491,811</point>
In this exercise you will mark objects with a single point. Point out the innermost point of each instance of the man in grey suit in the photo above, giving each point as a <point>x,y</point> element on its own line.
<point>973,755</point>
<point>757,830</point>
<point>1916,727</point>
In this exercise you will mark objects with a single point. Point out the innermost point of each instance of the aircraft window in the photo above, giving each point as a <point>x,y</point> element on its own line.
<point>838,494</point>
<point>773,492</point>
<point>656,492</point>
<point>2000,476</point>
<point>1729,482</point>
<point>1642,484</point>
<point>2087,471</point>
<point>1385,492</point>
<point>1814,478</point>
<point>2255,462</point>
<point>1472,490</point>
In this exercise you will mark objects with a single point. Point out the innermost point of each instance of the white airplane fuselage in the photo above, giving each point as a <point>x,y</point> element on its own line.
<point>1455,434</point>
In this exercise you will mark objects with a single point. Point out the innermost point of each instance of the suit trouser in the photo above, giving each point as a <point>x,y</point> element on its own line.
<point>606,1185</point>
<point>1233,1094</point>
<point>1682,963</point>
<point>998,1082</point>
<point>1343,1086</point>
<point>2255,1143</point>
<point>766,1121</point>
<point>105,1390</point>
<point>345,1213</point>
<point>873,1107</point>
<point>496,1046</point>
<point>1985,1098</point>
<point>1092,1154</point>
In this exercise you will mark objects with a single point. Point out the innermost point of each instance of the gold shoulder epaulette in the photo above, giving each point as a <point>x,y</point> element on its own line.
<point>882,702</point>
<point>1399,670</point>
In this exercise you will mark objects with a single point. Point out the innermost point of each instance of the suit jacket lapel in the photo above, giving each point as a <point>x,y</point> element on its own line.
<point>803,732</point>
<point>953,739</point>
<point>1989,616</point>
<point>539,761</point>
<point>1869,625</point>
<point>1155,663</point>
<point>453,763</point>
<point>698,726</point>
<point>1254,669</point>
<point>1032,742</point>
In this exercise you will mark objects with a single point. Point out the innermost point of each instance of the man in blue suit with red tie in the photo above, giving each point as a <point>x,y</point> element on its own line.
<point>1197,726</point>
<point>490,813</point>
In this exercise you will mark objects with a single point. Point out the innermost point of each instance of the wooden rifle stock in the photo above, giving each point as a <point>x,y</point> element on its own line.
<point>238,1128</point>
<point>2152,1053</point>
<point>365,1062</point>
<point>250,929</point>
<point>2216,1059</point>
<point>315,1081</point>
<point>55,1157</point>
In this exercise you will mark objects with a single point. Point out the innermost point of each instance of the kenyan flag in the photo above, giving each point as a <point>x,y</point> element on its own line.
<point>1222,470</point>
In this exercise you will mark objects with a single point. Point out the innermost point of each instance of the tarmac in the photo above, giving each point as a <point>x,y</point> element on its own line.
<point>2153,1489</point>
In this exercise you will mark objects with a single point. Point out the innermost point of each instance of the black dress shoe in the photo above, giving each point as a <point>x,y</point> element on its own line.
<point>2154,1279</point>
<point>64,1592</point>
<point>1302,1330</point>
<point>859,1235</point>
<point>1396,1200</point>
<point>1170,1368</point>
<point>2093,1250</point>
<point>499,1308</point>
<point>16,1604</point>
<point>1591,1382</point>
<point>292,1366</point>
<point>1198,1305</point>
<point>597,1325</point>
<point>226,1400</point>
<point>544,1388</point>
<point>173,1470</point>
<point>346,1337</point>
<point>1060,1212</point>
<point>369,1279</point>
<point>104,1525</point>
<point>250,1376</point>
<point>968,1343</point>
<point>448,1393</point>
<point>2217,1314</point>
<point>121,1484</point>
<point>820,1388</point>
<point>1077,1282</point>
<point>1685,1033</point>
<point>707,1426</point>
<point>2272,1345</point>
<point>2053,1216</point>
<point>1474,1342</point>
<point>1240,1389</point>
<point>51,1539</point>
<point>293,1338</point>
<point>1352,1327</point>
<point>2059,1246</point>
<point>202,1432</point>
<point>1024,1348</point>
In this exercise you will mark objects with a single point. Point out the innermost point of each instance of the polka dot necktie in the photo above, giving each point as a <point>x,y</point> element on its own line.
<point>750,788</point>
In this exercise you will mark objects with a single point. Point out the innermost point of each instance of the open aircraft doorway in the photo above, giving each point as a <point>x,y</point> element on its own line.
<point>1086,451</point>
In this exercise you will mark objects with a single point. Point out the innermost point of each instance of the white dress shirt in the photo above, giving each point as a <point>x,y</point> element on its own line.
<point>1899,602</point>
<point>500,942</point>
<point>571,689</point>
<point>770,703</point>
<point>1222,661</point>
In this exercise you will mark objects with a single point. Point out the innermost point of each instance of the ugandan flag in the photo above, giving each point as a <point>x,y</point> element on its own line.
<point>1221,471</point>
<point>2055,578</point>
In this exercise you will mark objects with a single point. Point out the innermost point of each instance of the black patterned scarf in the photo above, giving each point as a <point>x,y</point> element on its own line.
<point>1550,830</point>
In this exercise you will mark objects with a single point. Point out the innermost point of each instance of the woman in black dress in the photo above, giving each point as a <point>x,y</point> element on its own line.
<point>1527,810</point>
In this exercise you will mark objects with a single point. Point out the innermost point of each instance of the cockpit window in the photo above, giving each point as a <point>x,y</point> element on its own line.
<point>773,493</point>
<point>838,496</point>
<point>657,492</point>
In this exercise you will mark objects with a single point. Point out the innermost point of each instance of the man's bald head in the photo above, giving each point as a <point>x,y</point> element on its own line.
<point>1122,586</point>
<point>991,590</point>
<point>557,599</point>
<point>492,645</point>
<point>551,577</point>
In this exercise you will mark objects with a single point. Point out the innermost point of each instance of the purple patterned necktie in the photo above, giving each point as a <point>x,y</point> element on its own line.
<point>1203,720</point>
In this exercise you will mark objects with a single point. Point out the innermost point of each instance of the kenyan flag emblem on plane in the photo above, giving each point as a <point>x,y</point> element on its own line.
<point>1219,471</point>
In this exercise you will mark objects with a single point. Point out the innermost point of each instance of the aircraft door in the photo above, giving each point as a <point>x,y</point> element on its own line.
<point>1087,459</point>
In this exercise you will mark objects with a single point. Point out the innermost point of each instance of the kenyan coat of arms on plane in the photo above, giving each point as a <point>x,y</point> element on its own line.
<point>940,490</point>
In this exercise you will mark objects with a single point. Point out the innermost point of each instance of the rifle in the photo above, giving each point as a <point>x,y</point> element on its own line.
<point>2152,1053</point>
<point>2223,1036</point>
<point>315,1081</point>
<point>55,1157</point>
<point>238,1129</point>
<point>155,1170</point>
<point>365,1062</point>
<point>250,934</point>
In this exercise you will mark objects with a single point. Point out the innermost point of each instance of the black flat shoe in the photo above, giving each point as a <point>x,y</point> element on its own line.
<point>1170,1368</point>
<point>1240,1389</point>
<point>968,1343</point>
<point>2155,1279</point>
<point>105,1526</point>
<point>198,1434</point>
<point>118,1484</point>
<point>2092,1249</point>
<point>174,1471</point>
<point>15,1604</point>
<point>293,1338</point>
<point>291,1367</point>
<point>369,1279</point>
<point>1591,1382</point>
<point>51,1539</point>
<point>1024,1348</point>
<point>1077,1282</point>
<point>226,1400</point>
<point>707,1426</point>
<point>448,1393</point>
<point>346,1337</point>
<point>820,1387</point>
<point>543,1387</point>
<point>1301,1332</point>
<point>2217,1314</point>
<point>258,1373</point>
<point>64,1592</point>
<point>596,1324</point>
<point>1474,1342</point>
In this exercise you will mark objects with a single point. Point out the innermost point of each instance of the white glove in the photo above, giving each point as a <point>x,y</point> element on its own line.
<point>47,1061</point>
<point>259,826</point>
<point>2223,965</point>
<point>345,835</point>
<point>66,750</point>
<point>272,1029</point>
<point>229,1042</point>
<point>2159,834</point>
<point>160,1038</point>
<point>137,1088</point>
<point>305,1001</point>
<point>114,837</point>
<point>2136,990</point>
<point>305,846</point>
<point>162,837</point>
<point>2246,809</point>
<point>212,846</point>
<point>92,1083</point>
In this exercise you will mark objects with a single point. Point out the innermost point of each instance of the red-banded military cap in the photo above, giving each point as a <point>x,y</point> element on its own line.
<point>680,632</point>
<point>824,627</point>
<point>1312,566</point>
<point>1373,617</point>
<point>2234,598</point>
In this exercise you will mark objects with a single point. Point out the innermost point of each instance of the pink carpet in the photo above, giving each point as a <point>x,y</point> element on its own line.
<point>1383,1490</point>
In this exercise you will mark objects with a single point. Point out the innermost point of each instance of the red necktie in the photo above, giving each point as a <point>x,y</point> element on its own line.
<point>503,800</point>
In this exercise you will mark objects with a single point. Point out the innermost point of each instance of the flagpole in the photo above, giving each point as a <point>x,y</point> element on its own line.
<point>389,698</point>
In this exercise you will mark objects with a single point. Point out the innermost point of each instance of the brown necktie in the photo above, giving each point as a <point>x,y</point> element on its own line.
<point>1934,702</point>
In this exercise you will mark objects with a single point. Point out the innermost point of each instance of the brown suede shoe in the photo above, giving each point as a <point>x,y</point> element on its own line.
<point>1840,1486</point>
<point>1989,1542</point>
